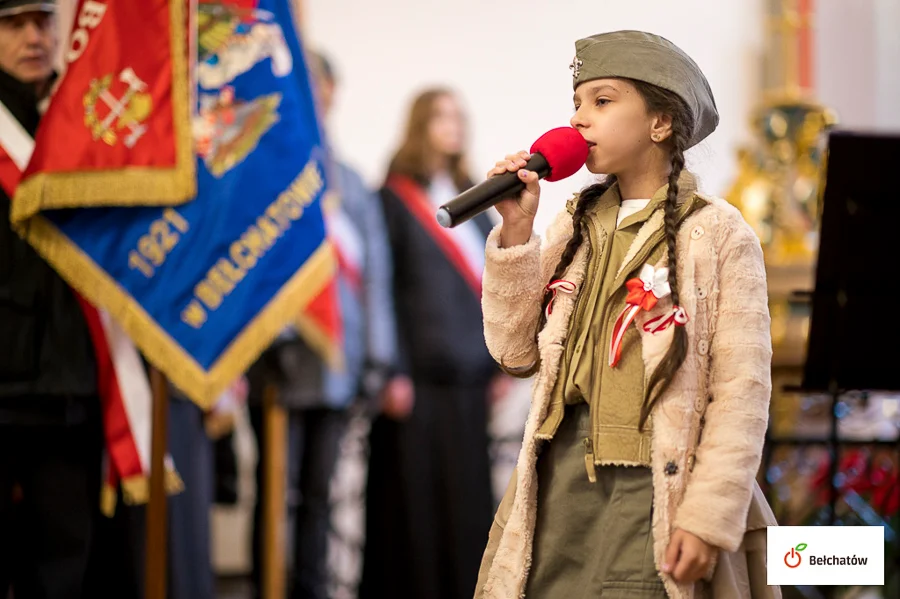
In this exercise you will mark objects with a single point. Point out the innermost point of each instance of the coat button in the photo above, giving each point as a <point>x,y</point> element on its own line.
<point>671,468</point>
<point>700,404</point>
<point>697,232</point>
<point>702,347</point>
<point>701,293</point>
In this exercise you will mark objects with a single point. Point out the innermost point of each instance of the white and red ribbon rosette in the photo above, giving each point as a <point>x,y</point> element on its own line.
<point>643,294</point>
<point>555,287</point>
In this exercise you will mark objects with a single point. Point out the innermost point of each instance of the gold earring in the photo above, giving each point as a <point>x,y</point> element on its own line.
<point>655,137</point>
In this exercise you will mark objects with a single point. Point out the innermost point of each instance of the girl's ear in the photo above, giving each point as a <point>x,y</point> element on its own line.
<point>661,127</point>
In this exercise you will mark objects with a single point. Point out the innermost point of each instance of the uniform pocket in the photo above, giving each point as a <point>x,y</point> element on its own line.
<point>633,590</point>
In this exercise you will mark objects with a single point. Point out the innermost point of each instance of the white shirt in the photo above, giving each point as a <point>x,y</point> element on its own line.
<point>467,235</point>
<point>629,207</point>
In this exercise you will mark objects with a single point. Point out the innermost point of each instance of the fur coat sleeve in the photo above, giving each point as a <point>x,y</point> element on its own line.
<point>512,291</point>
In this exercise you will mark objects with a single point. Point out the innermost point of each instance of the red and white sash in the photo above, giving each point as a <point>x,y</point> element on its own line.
<point>121,379</point>
<point>15,150</point>
<point>413,197</point>
<point>348,244</point>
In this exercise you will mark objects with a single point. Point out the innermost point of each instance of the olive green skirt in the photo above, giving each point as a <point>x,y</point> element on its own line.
<point>592,539</point>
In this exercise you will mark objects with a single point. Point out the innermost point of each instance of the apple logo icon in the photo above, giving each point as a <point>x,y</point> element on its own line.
<point>792,558</point>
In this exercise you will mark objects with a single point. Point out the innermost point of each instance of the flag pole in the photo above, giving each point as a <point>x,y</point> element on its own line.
<point>157,521</point>
<point>273,495</point>
<point>274,465</point>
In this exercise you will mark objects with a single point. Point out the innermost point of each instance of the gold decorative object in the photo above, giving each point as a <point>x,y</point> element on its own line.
<point>779,183</point>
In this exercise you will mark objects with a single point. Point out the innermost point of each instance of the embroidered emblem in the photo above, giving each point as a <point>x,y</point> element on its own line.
<point>232,41</point>
<point>104,113</point>
<point>226,129</point>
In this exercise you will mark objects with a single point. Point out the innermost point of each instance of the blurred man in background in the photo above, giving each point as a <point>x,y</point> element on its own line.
<point>50,429</point>
<point>316,395</point>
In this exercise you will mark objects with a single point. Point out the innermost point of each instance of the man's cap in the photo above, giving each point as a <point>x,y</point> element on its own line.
<point>9,8</point>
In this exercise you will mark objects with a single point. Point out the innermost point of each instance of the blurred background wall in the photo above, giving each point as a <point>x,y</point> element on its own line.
<point>509,62</point>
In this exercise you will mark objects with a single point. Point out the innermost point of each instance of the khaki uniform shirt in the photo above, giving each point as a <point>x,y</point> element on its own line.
<point>615,394</point>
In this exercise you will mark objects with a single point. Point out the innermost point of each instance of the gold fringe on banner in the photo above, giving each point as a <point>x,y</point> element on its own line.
<point>136,491</point>
<point>202,387</point>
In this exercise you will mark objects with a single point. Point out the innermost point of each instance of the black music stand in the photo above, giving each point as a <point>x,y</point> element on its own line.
<point>854,336</point>
<point>854,333</point>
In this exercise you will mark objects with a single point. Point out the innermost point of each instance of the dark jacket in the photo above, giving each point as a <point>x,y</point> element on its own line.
<point>440,332</point>
<point>47,364</point>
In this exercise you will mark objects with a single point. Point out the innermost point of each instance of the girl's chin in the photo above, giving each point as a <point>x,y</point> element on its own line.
<point>596,169</point>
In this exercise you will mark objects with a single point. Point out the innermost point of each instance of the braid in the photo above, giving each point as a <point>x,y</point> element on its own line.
<point>586,199</point>
<point>677,352</point>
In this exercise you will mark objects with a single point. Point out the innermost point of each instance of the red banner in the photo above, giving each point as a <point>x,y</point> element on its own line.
<point>117,132</point>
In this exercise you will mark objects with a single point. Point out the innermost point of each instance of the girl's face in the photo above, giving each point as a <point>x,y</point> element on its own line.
<point>446,129</point>
<point>612,117</point>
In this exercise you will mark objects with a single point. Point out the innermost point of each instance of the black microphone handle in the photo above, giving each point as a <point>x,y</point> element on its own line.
<point>488,193</point>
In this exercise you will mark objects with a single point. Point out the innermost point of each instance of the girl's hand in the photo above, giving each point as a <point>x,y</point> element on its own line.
<point>518,213</point>
<point>688,558</point>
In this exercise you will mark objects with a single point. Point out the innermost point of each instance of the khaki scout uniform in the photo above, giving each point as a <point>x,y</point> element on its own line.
<point>598,461</point>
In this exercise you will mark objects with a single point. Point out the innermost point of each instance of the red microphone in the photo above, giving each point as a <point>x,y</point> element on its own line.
<point>557,154</point>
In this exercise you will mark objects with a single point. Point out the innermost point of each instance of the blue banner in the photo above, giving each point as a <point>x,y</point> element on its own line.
<point>203,287</point>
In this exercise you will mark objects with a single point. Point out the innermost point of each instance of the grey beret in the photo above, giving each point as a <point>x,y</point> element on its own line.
<point>652,59</point>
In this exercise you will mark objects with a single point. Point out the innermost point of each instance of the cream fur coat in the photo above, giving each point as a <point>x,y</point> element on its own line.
<point>711,421</point>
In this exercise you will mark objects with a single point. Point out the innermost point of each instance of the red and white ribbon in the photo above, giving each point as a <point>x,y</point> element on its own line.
<point>676,315</point>
<point>555,287</point>
<point>643,293</point>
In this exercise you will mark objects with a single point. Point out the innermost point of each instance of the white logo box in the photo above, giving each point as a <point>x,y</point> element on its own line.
<point>825,555</point>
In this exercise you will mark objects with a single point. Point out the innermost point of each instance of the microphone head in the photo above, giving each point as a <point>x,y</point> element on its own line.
<point>565,151</point>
